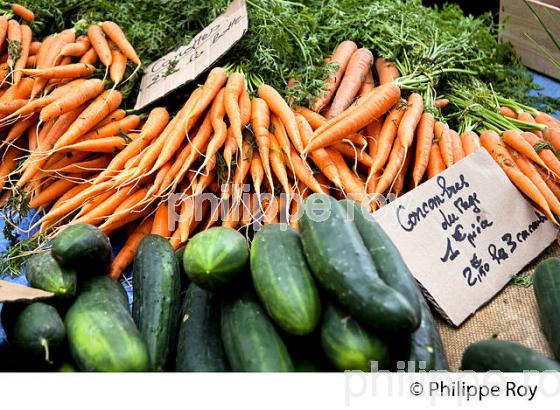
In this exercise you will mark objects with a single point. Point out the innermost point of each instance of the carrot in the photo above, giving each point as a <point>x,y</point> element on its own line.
<point>257,174</point>
<point>353,187</point>
<point>441,132</point>
<point>393,168</point>
<point>3,30</point>
<point>90,117</point>
<point>387,136</point>
<point>280,134</point>
<point>354,76</point>
<point>320,157</point>
<point>527,117</point>
<point>233,90</point>
<point>243,165</point>
<point>8,107</point>
<point>340,58</point>
<point>14,42</point>
<point>278,165</point>
<point>552,135</point>
<point>114,128</point>
<point>34,48</point>
<point>518,143</point>
<point>9,163</point>
<point>530,171</point>
<point>490,140</point>
<point>398,186</point>
<point>441,103</point>
<point>80,94</point>
<point>100,44</point>
<point>470,142</point>
<point>281,109</point>
<point>19,128</point>
<point>550,182</point>
<point>75,190</point>
<point>260,121</point>
<point>116,115</point>
<point>96,164</point>
<point>51,193</point>
<point>349,151</point>
<point>313,118</point>
<point>368,84</point>
<point>424,138</point>
<point>547,120</point>
<point>245,113</point>
<point>436,165</point>
<point>106,145</point>
<point>61,71</point>
<point>114,32</point>
<point>89,57</point>
<point>161,225</point>
<point>545,152</point>
<point>128,251</point>
<point>76,49</point>
<point>386,71</point>
<point>23,12</point>
<point>118,67</point>
<point>110,227</point>
<point>105,209</point>
<point>377,103</point>
<point>410,119</point>
<point>507,112</point>
<point>304,174</point>
<point>458,153</point>
<point>21,63</point>
<point>373,131</point>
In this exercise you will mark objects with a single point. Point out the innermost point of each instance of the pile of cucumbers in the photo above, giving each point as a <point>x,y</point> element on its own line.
<point>334,296</point>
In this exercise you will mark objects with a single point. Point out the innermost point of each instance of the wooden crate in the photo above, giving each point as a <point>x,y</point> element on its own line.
<point>519,20</point>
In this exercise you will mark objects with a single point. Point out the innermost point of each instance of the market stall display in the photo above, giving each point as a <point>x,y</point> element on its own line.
<point>369,116</point>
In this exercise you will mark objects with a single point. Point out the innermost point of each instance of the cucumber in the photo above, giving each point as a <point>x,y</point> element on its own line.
<point>250,341</point>
<point>157,298</point>
<point>200,347</point>
<point>342,265</point>
<point>282,279</point>
<point>426,347</point>
<point>546,284</point>
<point>214,258</point>
<point>39,332</point>
<point>185,281</point>
<point>349,345</point>
<point>83,248</point>
<point>386,257</point>
<point>44,272</point>
<point>101,332</point>
<point>503,356</point>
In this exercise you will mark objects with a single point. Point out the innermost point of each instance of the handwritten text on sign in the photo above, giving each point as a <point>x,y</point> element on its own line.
<point>184,64</point>
<point>464,233</point>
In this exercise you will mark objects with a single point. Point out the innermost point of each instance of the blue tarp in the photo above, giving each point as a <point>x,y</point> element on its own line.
<point>550,87</point>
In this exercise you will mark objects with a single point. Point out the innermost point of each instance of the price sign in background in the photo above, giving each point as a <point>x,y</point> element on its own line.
<point>187,62</point>
<point>465,233</point>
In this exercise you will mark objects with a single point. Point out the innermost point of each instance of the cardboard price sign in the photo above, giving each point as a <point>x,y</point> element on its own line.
<point>465,233</point>
<point>12,292</point>
<point>187,62</point>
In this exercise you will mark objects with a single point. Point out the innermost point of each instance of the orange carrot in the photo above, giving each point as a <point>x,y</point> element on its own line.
<point>19,128</point>
<point>100,44</point>
<point>90,117</point>
<point>545,152</point>
<point>398,186</point>
<point>425,136</point>
<point>217,112</point>
<point>76,49</point>
<point>507,112</point>
<point>552,135</point>
<point>114,32</point>
<point>377,103</point>
<point>14,37</point>
<point>280,134</point>
<point>458,153</point>
<point>386,71</point>
<point>393,168</point>
<point>113,128</point>
<point>442,135</point>
<point>62,71</point>
<point>313,118</point>
<point>8,107</point>
<point>353,186</point>
<point>340,58</point>
<point>128,251</point>
<point>9,163</point>
<point>304,174</point>
<point>490,140</point>
<point>257,174</point>
<point>260,121</point>
<point>387,137</point>
<point>436,165</point>
<point>90,57</point>
<point>21,63</point>
<point>410,120</point>
<point>278,165</point>
<point>354,76</point>
<point>550,182</point>
<point>79,95</point>
<point>470,142</point>
<point>441,103</point>
<point>234,89</point>
<point>118,67</point>
<point>96,164</point>
<point>547,120</point>
<point>161,221</point>
<point>23,12</point>
<point>373,131</point>
<point>518,143</point>
<point>281,109</point>
<point>527,117</point>
<point>349,151</point>
<point>368,84</point>
<point>3,30</point>
<point>51,193</point>
<point>106,145</point>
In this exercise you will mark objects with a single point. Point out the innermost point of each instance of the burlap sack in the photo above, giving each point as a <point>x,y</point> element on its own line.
<point>511,315</point>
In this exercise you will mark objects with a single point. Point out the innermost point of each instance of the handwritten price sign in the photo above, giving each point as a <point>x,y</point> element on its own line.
<point>465,233</point>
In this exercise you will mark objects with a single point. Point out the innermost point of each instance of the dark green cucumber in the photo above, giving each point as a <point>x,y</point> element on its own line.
<point>38,331</point>
<point>282,279</point>
<point>83,248</point>
<point>200,347</point>
<point>546,283</point>
<point>44,272</point>
<point>503,356</point>
<point>385,255</point>
<point>426,347</point>
<point>185,280</point>
<point>349,345</point>
<point>342,265</point>
<point>101,332</point>
<point>250,340</point>
<point>157,298</point>
<point>214,258</point>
